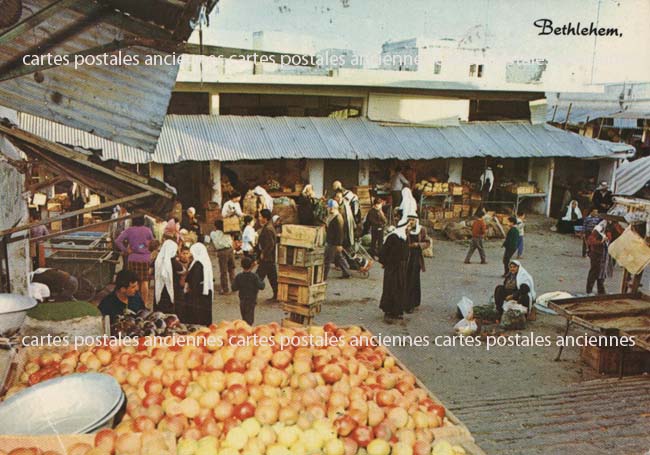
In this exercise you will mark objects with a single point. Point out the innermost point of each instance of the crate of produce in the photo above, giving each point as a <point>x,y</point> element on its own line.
<point>304,310</point>
<point>449,214</point>
<point>302,295</point>
<point>301,257</point>
<point>305,276</point>
<point>607,360</point>
<point>522,189</point>
<point>302,236</point>
<point>231,224</point>
<point>457,190</point>
<point>363,193</point>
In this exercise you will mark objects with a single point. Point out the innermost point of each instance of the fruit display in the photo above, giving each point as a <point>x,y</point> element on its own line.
<point>149,323</point>
<point>267,390</point>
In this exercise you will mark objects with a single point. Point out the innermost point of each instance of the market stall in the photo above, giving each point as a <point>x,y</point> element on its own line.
<point>329,389</point>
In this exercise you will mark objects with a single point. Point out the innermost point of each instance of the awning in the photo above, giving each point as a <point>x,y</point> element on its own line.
<point>235,138</point>
<point>116,185</point>
<point>631,176</point>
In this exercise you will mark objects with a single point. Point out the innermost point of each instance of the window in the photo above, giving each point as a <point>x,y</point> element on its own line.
<point>480,71</point>
<point>472,70</point>
<point>437,67</point>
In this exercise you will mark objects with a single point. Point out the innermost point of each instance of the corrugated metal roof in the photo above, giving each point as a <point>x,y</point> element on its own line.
<point>126,104</point>
<point>235,138</point>
<point>631,176</point>
<point>601,417</point>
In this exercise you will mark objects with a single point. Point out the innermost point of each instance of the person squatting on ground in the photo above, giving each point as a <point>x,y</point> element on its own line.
<point>125,296</point>
<point>266,249</point>
<point>518,285</point>
<point>394,258</point>
<point>335,237</point>
<point>222,244</point>
<point>62,285</point>
<point>248,284</point>
<point>510,244</point>
<point>479,230</point>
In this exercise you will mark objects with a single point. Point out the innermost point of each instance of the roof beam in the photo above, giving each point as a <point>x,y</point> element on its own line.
<point>183,27</point>
<point>35,19</point>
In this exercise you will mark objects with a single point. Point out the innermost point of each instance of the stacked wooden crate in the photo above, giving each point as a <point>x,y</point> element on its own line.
<point>365,198</point>
<point>301,267</point>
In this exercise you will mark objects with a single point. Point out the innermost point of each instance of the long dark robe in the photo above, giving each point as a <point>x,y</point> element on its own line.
<point>197,308</point>
<point>414,267</point>
<point>306,209</point>
<point>394,257</point>
<point>165,304</point>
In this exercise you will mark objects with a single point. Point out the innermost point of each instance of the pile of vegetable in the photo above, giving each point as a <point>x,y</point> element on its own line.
<point>148,323</point>
<point>61,311</point>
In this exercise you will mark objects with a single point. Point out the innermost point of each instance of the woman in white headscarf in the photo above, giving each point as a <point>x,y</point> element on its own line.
<point>200,287</point>
<point>417,241</point>
<point>518,285</point>
<point>408,206</point>
<point>265,198</point>
<point>167,277</point>
<point>393,258</point>
<point>572,218</point>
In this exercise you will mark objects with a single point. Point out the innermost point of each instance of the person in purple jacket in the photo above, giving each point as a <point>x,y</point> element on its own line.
<point>134,241</point>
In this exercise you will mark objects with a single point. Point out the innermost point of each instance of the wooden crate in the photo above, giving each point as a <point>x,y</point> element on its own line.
<point>287,322</point>
<point>231,224</point>
<point>363,193</point>
<point>606,360</point>
<point>303,257</point>
<point>302,295</point>
<point>303,236</point>
<point>457,190</point>
<point>304,276</point>
<point>304,310</point>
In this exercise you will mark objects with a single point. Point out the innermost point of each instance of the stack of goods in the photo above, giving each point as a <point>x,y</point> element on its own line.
<point>286,209</point>
<point>365,199</point>
<point>249,204</point>
<point>521,188</point>
<point>149,323</point>
<point>427,187</point>
<point>301,285</point>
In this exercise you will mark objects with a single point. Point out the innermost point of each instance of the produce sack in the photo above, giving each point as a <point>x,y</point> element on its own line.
<point>513,305</point>
<point>513,320</point>
<point>630,251</point>
<point>465,307</point>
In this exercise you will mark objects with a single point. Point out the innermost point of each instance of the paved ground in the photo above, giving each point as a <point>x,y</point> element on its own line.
<point>461,373</point>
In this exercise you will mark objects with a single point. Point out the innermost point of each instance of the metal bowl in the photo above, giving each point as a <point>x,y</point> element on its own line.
<point>73,404</point>
<point>13,309</point>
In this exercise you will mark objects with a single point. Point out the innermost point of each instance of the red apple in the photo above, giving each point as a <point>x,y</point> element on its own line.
<point>332,373</point>
<point>362,436</point>
<point>143,423</point>
<point>105,440</point>
<point>234,366</point>
<point>244,410</point>
<point>153,399</point>
<point>178,389</point>
<point>345,425</point>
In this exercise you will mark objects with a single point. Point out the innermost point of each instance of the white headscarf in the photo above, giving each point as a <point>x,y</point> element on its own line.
<point>523,277</point>
<point>268,200</point>
<point>308,190</point>
<point>567,215</point>
<point>487,175</point>
<point>200,254</point>
<point>400,230</point>
<point>164,273</point>
<point>408,205</point>
<point>416,229</point>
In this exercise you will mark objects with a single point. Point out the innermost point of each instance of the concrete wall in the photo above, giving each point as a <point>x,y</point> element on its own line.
<point>540,170</point>
<point>416,109</point>
<point>13,210</point>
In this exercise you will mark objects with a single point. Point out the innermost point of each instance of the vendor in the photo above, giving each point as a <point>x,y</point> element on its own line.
<point>125,296</point>
<point>191,223</point>
<point>572,218</point>
<point>518,285</point>
<point>232,207</point>
<point>602,198</point>
<point>264,199</point>
<point>307,204</point>
<point>62,285</point>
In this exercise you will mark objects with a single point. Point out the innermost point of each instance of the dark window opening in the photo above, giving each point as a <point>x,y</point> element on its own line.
<point>189,103</point>
<point>289,105</point>
<point>498,110</point>
<point>480,71</point>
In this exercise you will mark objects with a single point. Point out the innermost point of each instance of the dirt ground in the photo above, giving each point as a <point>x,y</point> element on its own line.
<point>456,374</point>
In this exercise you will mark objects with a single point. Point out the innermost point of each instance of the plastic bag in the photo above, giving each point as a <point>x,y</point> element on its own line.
<point>466,306</point>
<point>514,306</point>
<point>465,327</point>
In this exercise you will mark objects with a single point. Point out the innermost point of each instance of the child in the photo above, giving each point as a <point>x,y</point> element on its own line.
<point>589,223</point>
<point>521,221</point>
<point>377,220</point>
<point>479,229</point>
<point>249,237</point>
<point>248,284</point>
<point>510,244</point>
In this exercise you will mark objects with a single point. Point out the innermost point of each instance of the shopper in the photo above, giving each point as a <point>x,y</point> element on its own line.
<point>510,244</point>
<point>200,286</point>
<point>172,231</point>
<point>334,238</point>
<point>521,224</point>
<point>393,258</point>
<point>408,206</point>
<point>249,237</point>
<point>248,284</point>
<point>264,199</point>
<point>191,223</point>
<point>518,286</point>
<point>417,241</point>
<point>125,296</point>
<point>167,278</point>
<point>397,183</point>
<point>588,225</point>
<point>572,218</point>
<point>232,207</point>
<point>349,226</point>
<point>351,199</point>
<point>307,204</point>
<point>134,241</point>
<point>479,230</point>
<point>222,244</point>
<point>377,222</point>
<point>602,198</point>
<point>266,249</point>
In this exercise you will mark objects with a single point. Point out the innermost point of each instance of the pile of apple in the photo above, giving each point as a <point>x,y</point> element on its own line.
<point>260,399</point>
